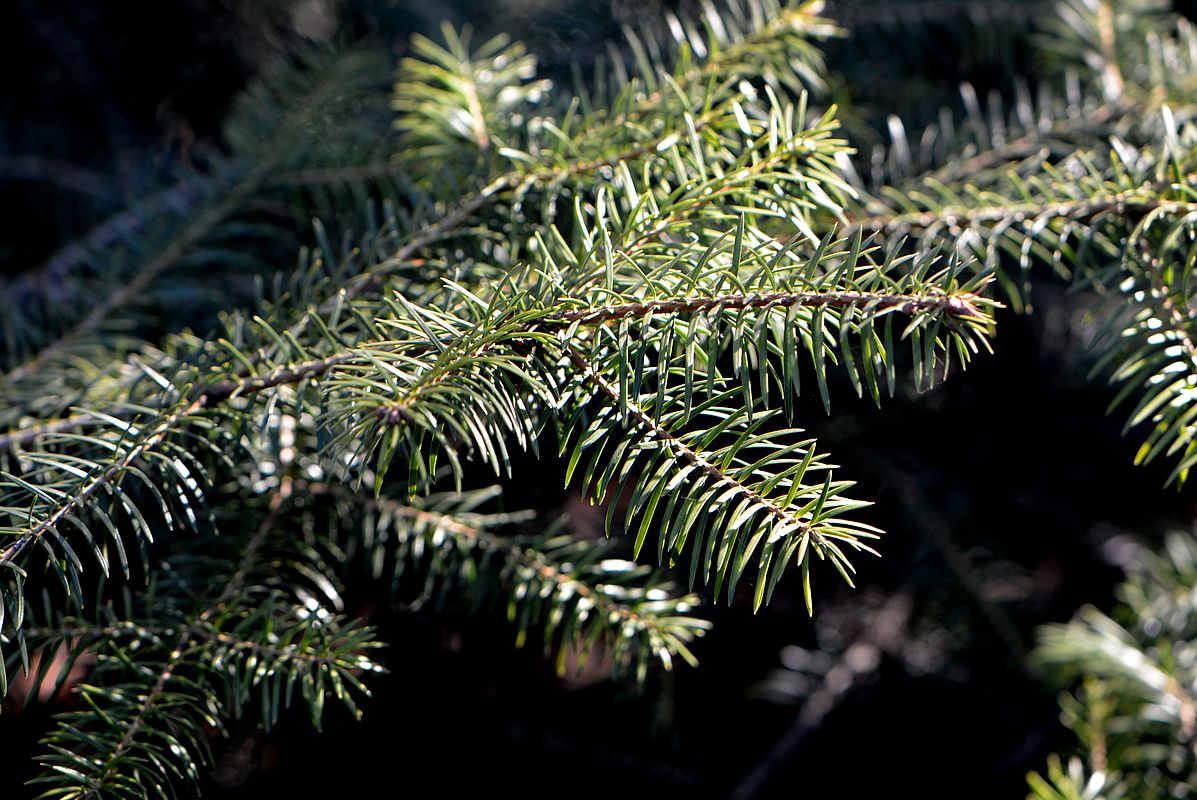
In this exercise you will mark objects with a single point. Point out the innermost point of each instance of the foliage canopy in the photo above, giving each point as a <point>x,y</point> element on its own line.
<point>645,272</point>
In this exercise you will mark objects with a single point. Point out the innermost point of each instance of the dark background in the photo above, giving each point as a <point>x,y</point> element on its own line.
<point>1003,492</point>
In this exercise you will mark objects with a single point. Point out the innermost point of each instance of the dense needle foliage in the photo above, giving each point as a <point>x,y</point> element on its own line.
<point>643,276</point>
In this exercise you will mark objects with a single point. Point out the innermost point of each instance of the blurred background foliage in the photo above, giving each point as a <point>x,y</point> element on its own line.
<point>1005,492</point>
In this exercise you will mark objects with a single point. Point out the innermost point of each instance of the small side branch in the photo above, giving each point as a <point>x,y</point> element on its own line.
<point>532,560</point>
<point>962,304</point>
<point>1123,204</point>
<point>163,427</point>
<point>684,452</point>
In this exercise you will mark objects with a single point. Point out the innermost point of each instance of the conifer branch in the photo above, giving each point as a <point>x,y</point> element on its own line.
<point>684,452</point>
<point>68,503</point>
<point>58,173</point>
<point>798,527</point>
<point>572,586</point>
<point>137,283</point>
<point>106,770</point>
<point>956,218</point>
<point>94,761</point>
<point>962,305</point>
<point>103,235</point>
<point>21,437</point>
<point>656,267</point>
<point>479,536</point>
<point>956,304</point>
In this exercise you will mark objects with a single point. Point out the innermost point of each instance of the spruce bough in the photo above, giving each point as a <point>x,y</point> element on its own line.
<point>646,273</point>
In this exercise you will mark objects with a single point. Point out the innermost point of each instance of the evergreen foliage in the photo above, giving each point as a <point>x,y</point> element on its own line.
<point>646,273</point>
<point>1134,712</point>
